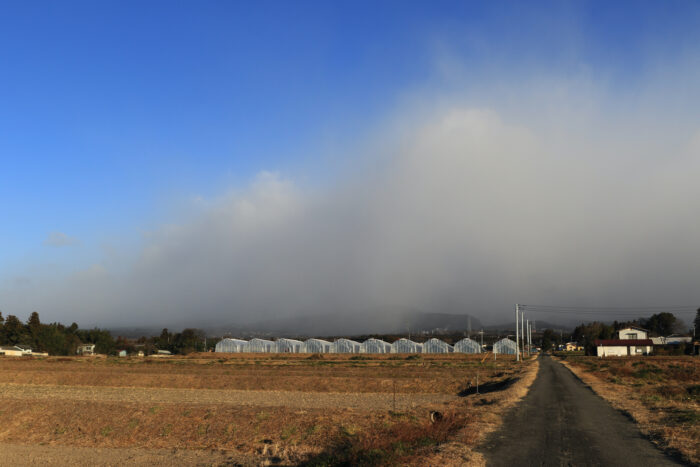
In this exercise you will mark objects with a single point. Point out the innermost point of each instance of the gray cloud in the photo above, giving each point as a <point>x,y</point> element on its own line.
<point>59,239</point>
<point>468,209</point>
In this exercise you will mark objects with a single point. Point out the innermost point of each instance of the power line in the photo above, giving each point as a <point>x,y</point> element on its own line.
<point>621,311</point>
<point>665,307</point>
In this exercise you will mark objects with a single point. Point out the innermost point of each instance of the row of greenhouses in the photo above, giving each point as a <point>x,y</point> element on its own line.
<point>370,346</point>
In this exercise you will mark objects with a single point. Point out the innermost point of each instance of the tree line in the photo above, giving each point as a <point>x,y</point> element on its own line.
<point>660,324</point>
<point>58,339</point>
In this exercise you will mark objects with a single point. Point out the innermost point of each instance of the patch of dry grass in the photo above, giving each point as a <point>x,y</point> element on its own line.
<point>662,394</point>
<point>281,434</point>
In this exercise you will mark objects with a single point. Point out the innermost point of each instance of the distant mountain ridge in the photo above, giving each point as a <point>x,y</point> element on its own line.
<point>354,324</point>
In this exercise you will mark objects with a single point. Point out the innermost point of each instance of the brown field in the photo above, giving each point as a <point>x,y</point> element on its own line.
<point>662,394</point>
<point>259,409</point>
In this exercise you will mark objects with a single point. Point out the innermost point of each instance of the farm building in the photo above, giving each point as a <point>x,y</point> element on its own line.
<point>260,346</point>
<point>631,340</point>
<point>289,346</point>
<point>86,349</point>
<point>375,346</point>
<point>572,346</point>
<point>505,346</point>
<point>230,345</point>
<point>406,346</point>
<point>467,345</point>
<point>676,339</point>
<point>317,346</point>
<point>623,347</point>
<point>436,346</point>
<point>14,351</point>
<point>346,346</point>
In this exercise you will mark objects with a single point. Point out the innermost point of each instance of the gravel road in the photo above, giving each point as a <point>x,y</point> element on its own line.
<point>302,400</point>
<point>561,422</point>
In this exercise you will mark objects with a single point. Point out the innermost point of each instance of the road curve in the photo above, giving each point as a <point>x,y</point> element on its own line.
<point>561,422</point>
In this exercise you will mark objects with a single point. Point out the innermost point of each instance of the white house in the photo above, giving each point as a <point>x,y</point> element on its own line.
<point>631,341</point>
<point>633,332</point>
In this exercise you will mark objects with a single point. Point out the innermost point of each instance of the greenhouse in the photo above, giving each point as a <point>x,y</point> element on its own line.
<point>317,346</point>
<point>467,345</point>
<point>375,346</point>
<point>346,346</point>
<point>289,345</point>
<point>406,346</point>
<point>230,345</point>
<point>261,345</point>
<point>436,346</point>
<point>505,346</point>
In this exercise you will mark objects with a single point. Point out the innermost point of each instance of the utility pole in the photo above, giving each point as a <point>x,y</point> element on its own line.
<point>527,330</point>
<point>517,327</point>
<point>482,339</point>
<point>522,329</point>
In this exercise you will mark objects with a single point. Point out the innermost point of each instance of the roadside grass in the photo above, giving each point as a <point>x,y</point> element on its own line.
<point>661,393</point>
<point>398,443</point>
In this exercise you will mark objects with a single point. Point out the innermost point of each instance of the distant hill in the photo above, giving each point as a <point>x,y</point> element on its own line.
<point>353,324</point>
<point>539,326</point>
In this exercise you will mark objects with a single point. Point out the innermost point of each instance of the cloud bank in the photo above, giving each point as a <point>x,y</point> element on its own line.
<point>465,209</point>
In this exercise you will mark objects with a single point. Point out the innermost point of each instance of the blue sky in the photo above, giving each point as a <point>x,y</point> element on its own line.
<point>113,112</point>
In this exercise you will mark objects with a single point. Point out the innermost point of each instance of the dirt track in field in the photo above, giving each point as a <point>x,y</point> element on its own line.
<point>301,400</point>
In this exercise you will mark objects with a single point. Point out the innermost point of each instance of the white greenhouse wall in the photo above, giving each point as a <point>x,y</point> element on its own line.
<point>467,345</point>
<point>289,345</point>
<point>346,346</point>
<point>504,346</point>
<point>230,345</point>
<point>317,346</point>
<point>261,346</point>
<point>436,346</point>
<point>406,346</point>
<point>375,346</point>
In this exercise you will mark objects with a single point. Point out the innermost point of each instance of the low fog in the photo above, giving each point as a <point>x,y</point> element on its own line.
<point>454,209</point>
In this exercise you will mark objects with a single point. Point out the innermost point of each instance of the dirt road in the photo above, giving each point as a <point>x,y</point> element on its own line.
<point>561,422</point>
<point>302,400</point>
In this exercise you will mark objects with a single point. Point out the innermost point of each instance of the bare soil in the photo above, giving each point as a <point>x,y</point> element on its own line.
<point>251,409</point>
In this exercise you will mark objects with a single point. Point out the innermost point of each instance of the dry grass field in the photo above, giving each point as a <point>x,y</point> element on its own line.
<point>261,409</point>
<point>662,394</point>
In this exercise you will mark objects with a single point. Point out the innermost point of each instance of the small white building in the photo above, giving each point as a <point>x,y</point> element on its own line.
<point>14,351</point>
<point>86,349</point>
<point>676,339</point>
<point>631,341</point>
